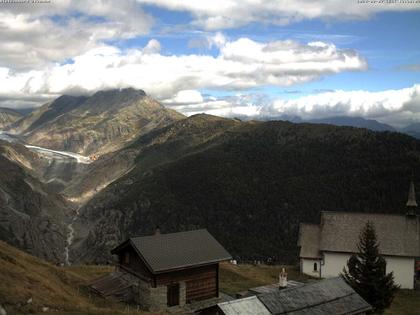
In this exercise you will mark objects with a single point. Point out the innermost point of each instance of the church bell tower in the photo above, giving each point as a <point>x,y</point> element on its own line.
<point>411,202</point>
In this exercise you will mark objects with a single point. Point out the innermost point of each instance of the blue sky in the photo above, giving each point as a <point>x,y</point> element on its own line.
<point>388,41</point>
<point>305,58</point>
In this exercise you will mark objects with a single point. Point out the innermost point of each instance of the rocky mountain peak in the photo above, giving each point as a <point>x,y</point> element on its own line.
<point>120,93</point>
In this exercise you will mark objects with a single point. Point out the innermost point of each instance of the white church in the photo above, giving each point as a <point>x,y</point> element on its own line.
<point>326,248</point>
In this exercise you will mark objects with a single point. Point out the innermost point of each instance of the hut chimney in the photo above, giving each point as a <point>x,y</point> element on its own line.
<point>157,230</point>
<point>411,202</point>
<point>283,279</point>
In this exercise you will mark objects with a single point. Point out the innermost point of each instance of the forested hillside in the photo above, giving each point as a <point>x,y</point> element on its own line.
<point>252,185</point>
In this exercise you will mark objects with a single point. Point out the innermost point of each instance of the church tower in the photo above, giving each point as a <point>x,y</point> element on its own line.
<point>411,202</point>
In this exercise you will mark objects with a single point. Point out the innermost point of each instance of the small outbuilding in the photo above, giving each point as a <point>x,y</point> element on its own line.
<point>173,269</point>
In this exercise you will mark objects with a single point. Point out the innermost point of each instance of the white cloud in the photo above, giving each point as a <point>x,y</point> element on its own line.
<point>396,107</point>
<point>228,106</point>
<point>152,47</point>
<point>221,14</point>
<point>34,36</point>
<point>186,97</point>
<point>240,64</point>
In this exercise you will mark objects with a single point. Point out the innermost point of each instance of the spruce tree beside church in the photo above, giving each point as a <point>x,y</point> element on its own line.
<point>366,272</point>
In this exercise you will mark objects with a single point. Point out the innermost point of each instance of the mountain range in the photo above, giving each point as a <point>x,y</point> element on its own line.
<point>250,183</point>
<point>357,122</point>
<point>8,117</point>
<point>98,124</point>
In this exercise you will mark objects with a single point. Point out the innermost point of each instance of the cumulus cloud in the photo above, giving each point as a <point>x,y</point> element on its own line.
<point>185,97</point>
<point>238,105</point>
<point>36,35</point>
<point>221,14</point>
<point>152,47</point>
<point>240,64</point>
<point>396,107</point>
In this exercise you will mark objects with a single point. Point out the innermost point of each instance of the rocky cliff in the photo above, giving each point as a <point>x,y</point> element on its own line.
<point>32,216</point>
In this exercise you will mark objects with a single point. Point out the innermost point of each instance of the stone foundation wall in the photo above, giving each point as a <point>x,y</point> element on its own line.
<point>155,299</point>
<point>151,299</point>
<point>158,298</point>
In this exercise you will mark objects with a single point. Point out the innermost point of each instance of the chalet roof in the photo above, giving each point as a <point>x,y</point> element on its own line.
<point>398,235</point>
<point>246,306</point>
<point>330,296</point>
<point>309,236</point>
<point>164,252</point>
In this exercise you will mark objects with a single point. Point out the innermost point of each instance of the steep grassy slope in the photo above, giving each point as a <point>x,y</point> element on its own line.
<point>61,290</point>
<point>101,123</point>
<point>252,185</point>
<point>8,117</point>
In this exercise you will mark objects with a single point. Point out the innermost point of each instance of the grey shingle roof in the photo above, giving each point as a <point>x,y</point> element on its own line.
<point>398,235</point>
<point>309,235</point>
<point>246,306</point>
<point>164,252</point>
<point>330,296</point>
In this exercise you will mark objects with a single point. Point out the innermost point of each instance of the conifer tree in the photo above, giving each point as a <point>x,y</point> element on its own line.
<point>366,272</point>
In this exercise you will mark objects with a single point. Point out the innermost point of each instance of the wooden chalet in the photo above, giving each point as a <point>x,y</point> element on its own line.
<point>172,269</point>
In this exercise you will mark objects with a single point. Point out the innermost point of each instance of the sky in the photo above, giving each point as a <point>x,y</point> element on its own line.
<point>312,59</point>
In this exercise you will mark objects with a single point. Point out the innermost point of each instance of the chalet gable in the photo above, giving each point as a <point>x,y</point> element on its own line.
<point>175,251</point>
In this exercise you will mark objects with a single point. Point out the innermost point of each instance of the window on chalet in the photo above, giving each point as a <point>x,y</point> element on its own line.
<point>127,258</point>
<point>315,266</point>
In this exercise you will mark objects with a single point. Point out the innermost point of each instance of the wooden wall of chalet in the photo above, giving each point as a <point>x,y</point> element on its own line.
<point>201,282</point>
<point>134,263</point>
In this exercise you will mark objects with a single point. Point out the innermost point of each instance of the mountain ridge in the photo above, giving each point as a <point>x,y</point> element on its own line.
<point>98,124</point>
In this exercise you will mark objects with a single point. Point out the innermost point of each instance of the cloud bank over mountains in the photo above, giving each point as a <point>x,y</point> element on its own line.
<point>240,64</point>
<point>74,47</point>
<point>395,107</point>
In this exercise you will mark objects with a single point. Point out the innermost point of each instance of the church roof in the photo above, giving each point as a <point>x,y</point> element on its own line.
<point>398,235</point>
<point>309,235</point>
